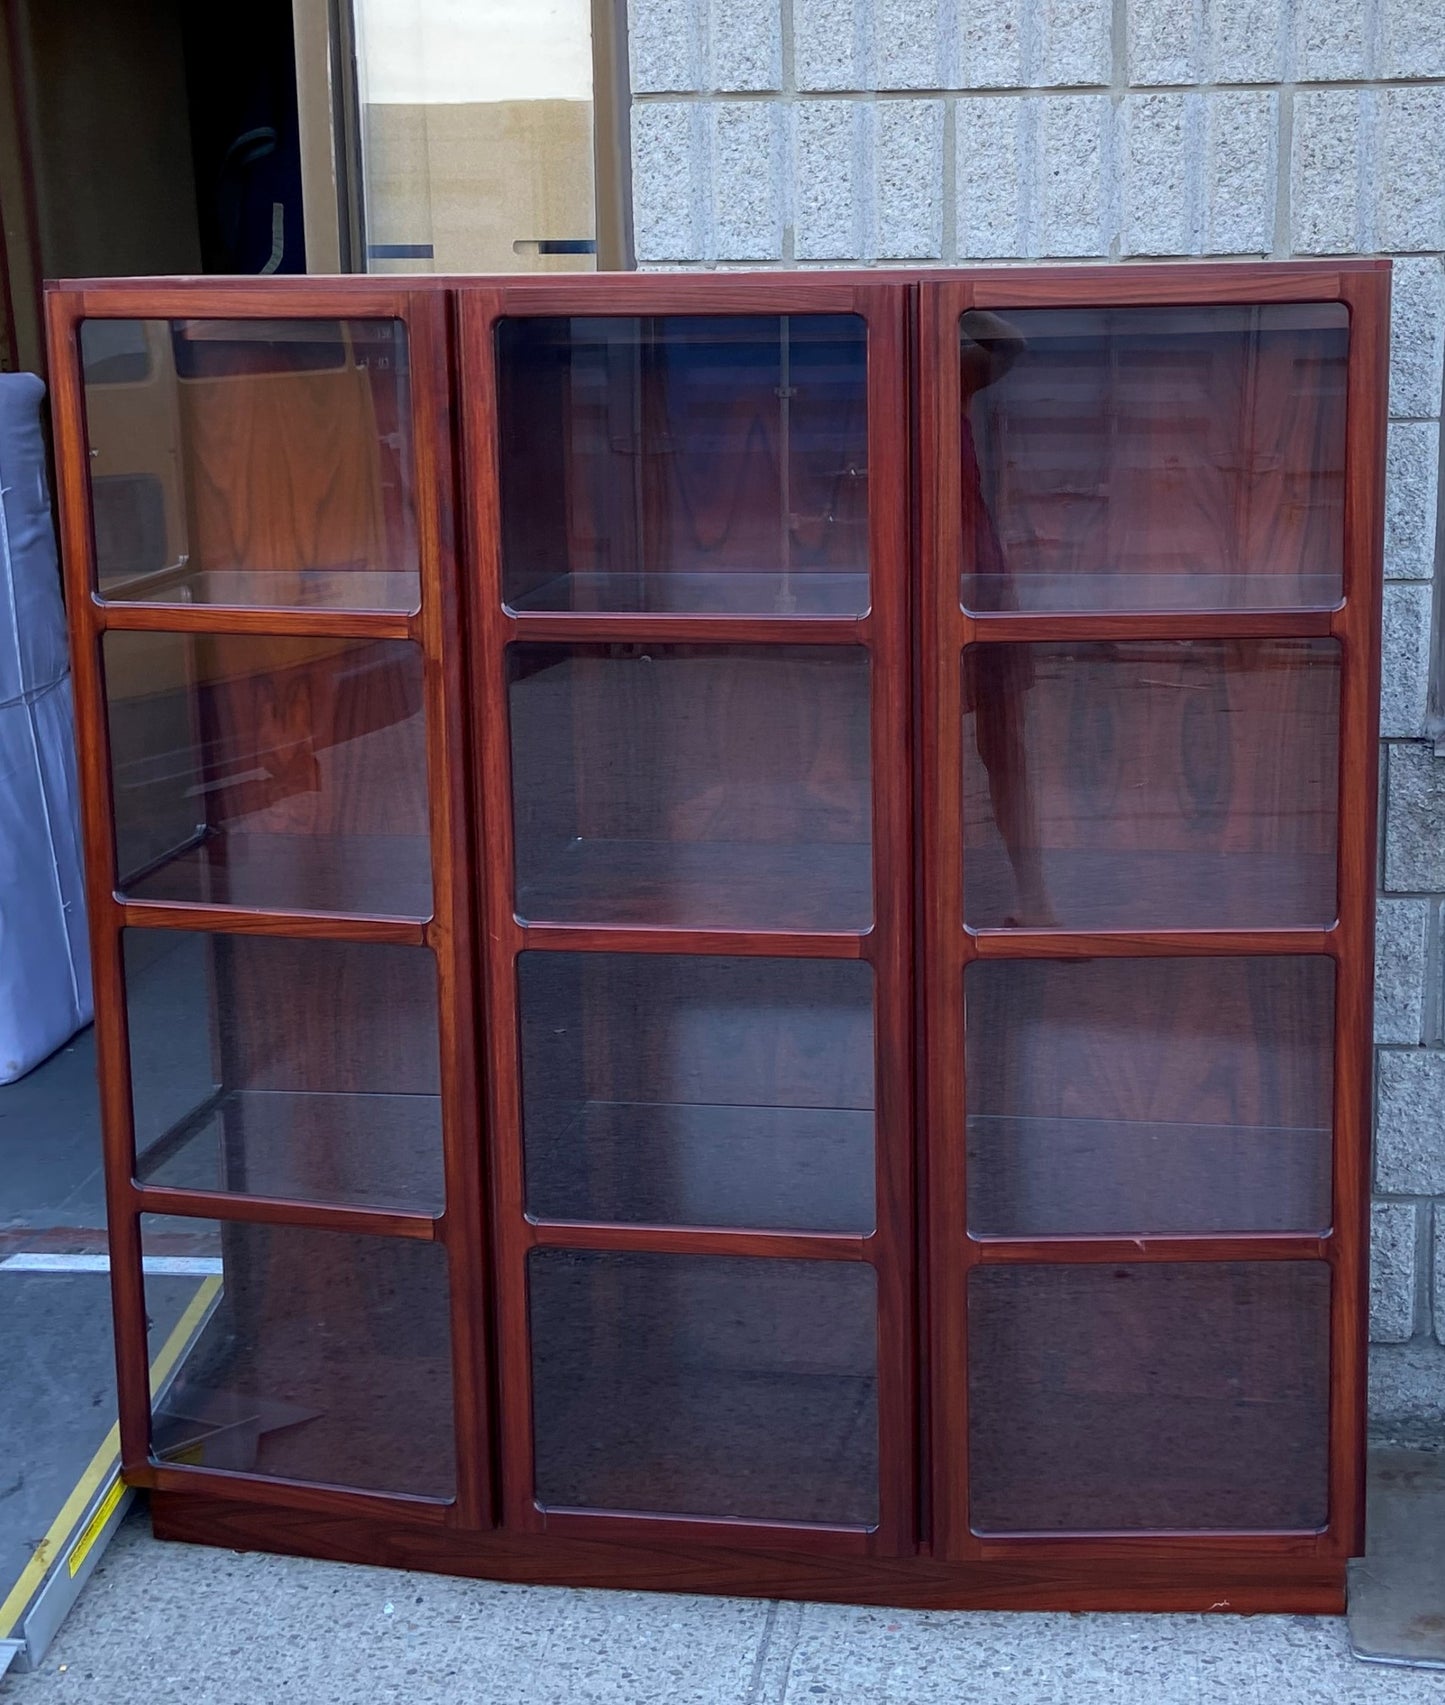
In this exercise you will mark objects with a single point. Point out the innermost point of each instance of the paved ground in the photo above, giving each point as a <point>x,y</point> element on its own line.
<point>180,1625</point>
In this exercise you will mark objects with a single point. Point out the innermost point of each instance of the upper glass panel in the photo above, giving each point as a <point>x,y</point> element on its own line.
<point>670,1090</point>
<point>1151,784</point>
<point>1183,458</point>
<point>288,774</point>
<point>1138,1097</point>
<point>692,785</point>
<point>252,462</point>
<point>685,464</point>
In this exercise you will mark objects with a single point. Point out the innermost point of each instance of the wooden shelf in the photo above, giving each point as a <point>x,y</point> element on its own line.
<point>1183,890</point>
<point>389,875</point>
<point>737,592</point>
<point>1073,1177</point>
<point>700,885</point>
<point>331,1147</point>
<point>1148,589</point>
<point>761,1168</point>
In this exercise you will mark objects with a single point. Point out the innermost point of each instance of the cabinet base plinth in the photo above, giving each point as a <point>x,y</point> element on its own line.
<point>1239,1582</point>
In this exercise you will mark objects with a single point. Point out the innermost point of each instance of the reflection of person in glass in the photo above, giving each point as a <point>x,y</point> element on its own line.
<point>996,677</point>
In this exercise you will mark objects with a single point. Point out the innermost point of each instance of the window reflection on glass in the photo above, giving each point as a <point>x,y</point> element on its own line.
<point>476,135</point>
<point>257,462</point>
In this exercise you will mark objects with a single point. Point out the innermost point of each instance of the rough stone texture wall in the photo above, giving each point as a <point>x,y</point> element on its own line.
<point>815,132</point>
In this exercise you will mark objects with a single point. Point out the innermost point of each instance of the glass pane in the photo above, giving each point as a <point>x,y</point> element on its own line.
<point>705,1385</point>
<point>476,135</point>
<point>691,785</point>
<point>685,464</point>
<point>1149,1396</point>
<point>268,1066</point>
<point>1154,458</point>
<point>280,773</point>
<point>1151,784</point>
<point>252,462</point>
<point>1146,1096</point>
<point>698,1091</point>
<point>323,1356</point>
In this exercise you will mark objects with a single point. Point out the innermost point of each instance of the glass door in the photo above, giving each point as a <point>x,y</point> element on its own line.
<point>1151,609</point>
<point>268,686</point>
<point>692,725</point>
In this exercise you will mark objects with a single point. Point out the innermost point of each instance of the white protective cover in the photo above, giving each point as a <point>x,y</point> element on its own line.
<point>45,992</point>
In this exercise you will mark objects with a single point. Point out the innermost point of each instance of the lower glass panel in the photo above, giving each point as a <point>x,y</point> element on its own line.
<point>705,1385</point>
<point>692,786</point>
<point>679,1090</point>
<point>1140,1097</point>
<point>270,1066</point>
<point>322,1356</point>
<point>1151,784</point>
<point>1190,1395</point>
<point>287,774</point>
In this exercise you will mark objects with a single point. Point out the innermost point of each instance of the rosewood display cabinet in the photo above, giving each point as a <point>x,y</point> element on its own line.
<point>732,919</point>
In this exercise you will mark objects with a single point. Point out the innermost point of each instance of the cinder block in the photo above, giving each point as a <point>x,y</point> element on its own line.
<point>1245,40</point>
<point>1332,40</point>
<point>746,169</point>
<point>1410,144</point>
<point>828,155</point>
<point>993,144</point>
<point>1241,152</point>
<point>1165,39</point>
<point>1412,39</point>
<point>1401,942</point>
<point>745,41</point>
<point>1159,185</point>
<point>908,45</point>
<point>1407,1392</point>
<point>664,46</point>
<point>667,156</point>
<point>1417,335</point>
<point>1406,676</point>
<point>1410,1122</point>
<point>1412,478</point>
<point>828,47</point>
<point>1073,42</point>
<point>1072,178</point>
<point>1415,821</point>
<point>908,180</point>
<point>993,44</point>
<point>1392,1272</point>
<point>1326,192</point>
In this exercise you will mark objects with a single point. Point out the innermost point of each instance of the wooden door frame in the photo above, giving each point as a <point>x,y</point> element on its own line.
<point>884,631</point>
<point>949,945</point>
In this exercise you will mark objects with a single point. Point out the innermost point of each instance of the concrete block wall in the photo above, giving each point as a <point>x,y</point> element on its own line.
<point>825,132</point>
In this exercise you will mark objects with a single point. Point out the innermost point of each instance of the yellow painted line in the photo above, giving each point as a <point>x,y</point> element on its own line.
<point>84,1545</point>
<point>100,1467</point>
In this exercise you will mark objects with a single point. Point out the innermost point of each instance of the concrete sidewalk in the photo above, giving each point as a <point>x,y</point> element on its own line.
<point>182,1625</point>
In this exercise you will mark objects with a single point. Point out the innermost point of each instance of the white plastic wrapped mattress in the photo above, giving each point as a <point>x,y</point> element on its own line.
<point>45,994</point>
